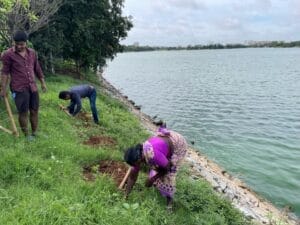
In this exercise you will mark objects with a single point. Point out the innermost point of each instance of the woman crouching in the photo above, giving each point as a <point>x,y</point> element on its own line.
<point>163,153</point>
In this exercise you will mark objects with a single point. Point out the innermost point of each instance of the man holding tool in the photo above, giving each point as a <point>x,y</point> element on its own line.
<point>21,64</point>
<point>75,94</point>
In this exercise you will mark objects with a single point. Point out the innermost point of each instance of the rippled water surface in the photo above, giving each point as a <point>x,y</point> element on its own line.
<point>241,107</point>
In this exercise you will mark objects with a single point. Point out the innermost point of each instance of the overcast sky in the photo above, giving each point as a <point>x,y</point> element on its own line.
<point>183,22</point>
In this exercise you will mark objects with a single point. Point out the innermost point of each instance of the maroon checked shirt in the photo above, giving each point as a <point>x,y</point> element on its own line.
<point>21,69</point>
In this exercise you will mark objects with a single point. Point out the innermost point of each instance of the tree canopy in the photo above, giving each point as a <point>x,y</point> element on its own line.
<point>86,32</point>
<point>28,15</point>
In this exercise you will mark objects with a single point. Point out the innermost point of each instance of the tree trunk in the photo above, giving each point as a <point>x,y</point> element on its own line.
<point>78,69</point>
<point>51,63</point>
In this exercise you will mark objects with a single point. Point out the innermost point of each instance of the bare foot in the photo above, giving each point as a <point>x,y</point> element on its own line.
<point>169,209</point>
<point>169,204</point>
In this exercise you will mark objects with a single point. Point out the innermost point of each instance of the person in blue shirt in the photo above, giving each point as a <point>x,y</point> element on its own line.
<point>75,94</point>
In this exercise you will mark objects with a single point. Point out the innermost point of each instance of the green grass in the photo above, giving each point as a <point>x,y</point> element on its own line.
<point>41,181</point>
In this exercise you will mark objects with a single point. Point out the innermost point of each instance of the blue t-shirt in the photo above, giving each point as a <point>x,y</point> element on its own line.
<point>78,92</point>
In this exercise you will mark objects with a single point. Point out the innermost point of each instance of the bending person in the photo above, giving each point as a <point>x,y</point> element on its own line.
<point>75,94</point>
<point>163,153</point>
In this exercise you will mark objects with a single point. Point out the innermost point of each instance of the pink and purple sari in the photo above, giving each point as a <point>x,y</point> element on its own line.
<point>157,154</point>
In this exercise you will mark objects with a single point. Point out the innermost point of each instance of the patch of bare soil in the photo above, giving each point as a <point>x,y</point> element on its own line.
<point>252,205</point>
<point>84,116</point>
<point>100,141</point>
<point>117,170</point>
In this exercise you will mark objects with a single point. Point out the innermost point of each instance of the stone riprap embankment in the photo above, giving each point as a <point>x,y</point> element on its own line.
<point>249,203</point>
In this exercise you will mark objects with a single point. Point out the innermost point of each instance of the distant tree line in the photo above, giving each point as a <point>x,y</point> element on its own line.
<point>84,33</point>
<point>262,44</point>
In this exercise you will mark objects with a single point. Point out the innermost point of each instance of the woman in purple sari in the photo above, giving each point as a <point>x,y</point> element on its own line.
<point>164,154</point>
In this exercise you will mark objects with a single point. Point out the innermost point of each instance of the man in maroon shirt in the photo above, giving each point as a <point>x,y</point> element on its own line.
<point>22,65</point>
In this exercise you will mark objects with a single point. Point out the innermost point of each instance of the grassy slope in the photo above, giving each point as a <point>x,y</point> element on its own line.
<point>41,181</point>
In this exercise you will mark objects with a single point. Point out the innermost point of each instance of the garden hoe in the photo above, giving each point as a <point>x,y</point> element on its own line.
<point>11,118</point>
<point>124,179</point>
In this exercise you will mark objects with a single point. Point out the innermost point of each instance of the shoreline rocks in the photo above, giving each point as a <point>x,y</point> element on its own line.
<point>244,199</point>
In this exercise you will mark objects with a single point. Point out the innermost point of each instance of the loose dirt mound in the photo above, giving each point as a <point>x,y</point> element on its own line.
<point>84,116</point>
<point>200,166</point>
<point>100,141</point>
<point>117,170</point>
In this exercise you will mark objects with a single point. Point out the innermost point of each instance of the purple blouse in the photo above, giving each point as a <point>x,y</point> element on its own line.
<point>156,153</point>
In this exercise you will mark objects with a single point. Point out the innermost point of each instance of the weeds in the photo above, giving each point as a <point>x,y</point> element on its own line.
<point>41,182</point>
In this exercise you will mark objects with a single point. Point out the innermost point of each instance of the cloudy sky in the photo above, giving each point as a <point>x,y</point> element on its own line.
<point>183,22</point>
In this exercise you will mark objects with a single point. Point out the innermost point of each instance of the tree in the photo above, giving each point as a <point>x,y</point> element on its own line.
<point>5,7</point>
<point>99,27</point>
<point>28,15</point>
<point>86,31</point>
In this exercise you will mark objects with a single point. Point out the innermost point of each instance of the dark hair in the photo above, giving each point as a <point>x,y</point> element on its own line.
<point>20,36</point>
<point>63,94</point>
<point>133,154</point>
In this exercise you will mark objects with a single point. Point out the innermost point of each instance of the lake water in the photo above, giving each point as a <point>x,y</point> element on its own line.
<point>241,107</point>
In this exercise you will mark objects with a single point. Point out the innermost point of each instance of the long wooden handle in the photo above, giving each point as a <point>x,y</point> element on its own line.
<point>65,110</point>
<point>6,130</point>
<point>125,179</point>
<point>12,121</point>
